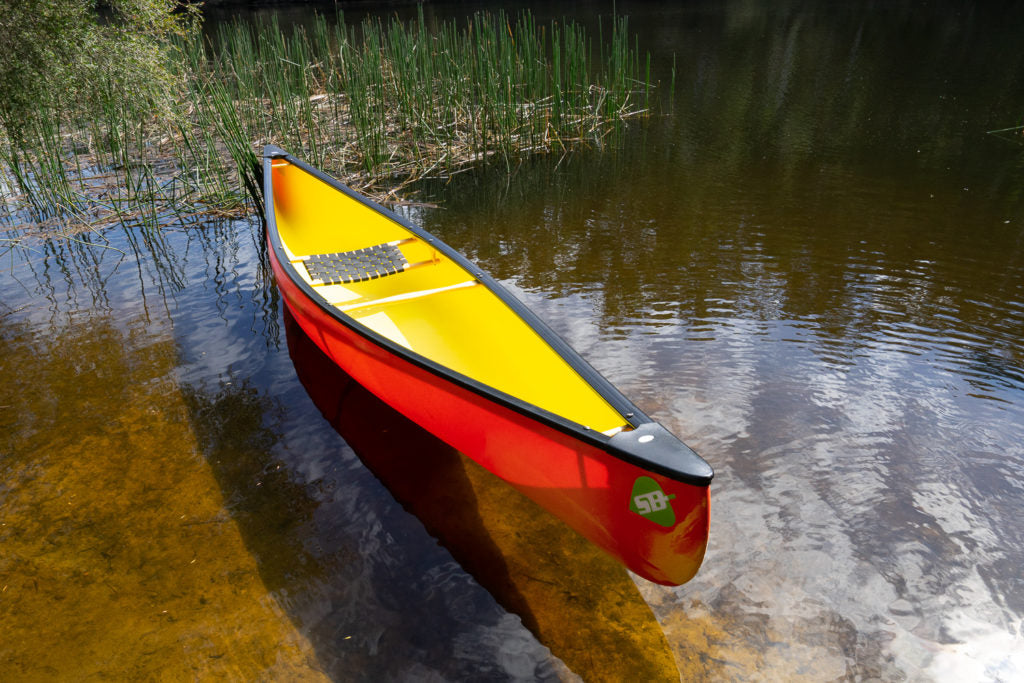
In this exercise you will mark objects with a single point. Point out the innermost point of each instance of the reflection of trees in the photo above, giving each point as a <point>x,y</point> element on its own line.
<point>813,170</point>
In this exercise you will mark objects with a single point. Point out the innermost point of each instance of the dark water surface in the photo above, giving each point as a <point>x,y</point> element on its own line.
<point>812,271</point>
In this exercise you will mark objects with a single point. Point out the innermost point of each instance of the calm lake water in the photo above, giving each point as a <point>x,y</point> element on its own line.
<point>811,269</point>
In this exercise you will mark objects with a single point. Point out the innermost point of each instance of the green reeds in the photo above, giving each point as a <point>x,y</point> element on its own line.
<point>380,105</point>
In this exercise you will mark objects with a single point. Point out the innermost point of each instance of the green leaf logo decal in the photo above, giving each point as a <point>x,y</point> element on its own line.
<point>649,501</point>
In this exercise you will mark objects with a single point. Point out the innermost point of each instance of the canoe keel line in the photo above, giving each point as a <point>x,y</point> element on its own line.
<point>444,344</point>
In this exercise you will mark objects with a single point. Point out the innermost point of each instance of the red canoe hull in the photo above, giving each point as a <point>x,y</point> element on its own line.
<point>590,489</point>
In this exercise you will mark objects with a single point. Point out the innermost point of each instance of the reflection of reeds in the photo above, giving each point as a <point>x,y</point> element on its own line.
<point>381,105</point>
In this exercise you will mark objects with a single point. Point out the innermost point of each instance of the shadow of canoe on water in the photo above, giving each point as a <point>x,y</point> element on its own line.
<point>577,601</point>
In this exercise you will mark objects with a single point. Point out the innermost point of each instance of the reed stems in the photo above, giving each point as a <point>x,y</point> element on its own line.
<point>380,105</point>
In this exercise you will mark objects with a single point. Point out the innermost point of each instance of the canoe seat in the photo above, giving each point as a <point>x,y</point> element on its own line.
<point>360,265</point>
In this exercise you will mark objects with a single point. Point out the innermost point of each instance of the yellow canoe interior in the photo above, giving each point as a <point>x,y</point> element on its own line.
<point>434,307</point>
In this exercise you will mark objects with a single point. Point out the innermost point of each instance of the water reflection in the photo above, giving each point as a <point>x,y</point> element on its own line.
<point>74,274</point>
<point>839,285</point>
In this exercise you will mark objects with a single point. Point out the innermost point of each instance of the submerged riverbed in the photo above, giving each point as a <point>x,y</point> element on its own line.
<point>811,270</point>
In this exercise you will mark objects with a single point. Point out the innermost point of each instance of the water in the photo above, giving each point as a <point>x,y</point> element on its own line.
<point>812,271</point>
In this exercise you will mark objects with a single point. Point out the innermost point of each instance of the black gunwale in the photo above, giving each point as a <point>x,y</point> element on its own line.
<point>630,412</point>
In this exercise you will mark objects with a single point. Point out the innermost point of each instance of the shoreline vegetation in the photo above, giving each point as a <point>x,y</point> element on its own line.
<point>379,105</point>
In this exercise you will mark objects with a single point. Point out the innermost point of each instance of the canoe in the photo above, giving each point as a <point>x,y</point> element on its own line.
<point>432,335</point>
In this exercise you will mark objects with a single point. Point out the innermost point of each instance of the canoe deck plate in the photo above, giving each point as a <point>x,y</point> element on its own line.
<point>356,266</point>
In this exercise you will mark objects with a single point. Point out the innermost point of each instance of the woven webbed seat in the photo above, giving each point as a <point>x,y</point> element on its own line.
<point>356,266</point>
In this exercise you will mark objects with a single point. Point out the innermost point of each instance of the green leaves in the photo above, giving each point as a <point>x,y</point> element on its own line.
<point>60,58</point>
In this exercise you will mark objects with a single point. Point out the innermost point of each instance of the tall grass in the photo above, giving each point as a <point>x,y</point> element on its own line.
<point>380,104</point>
